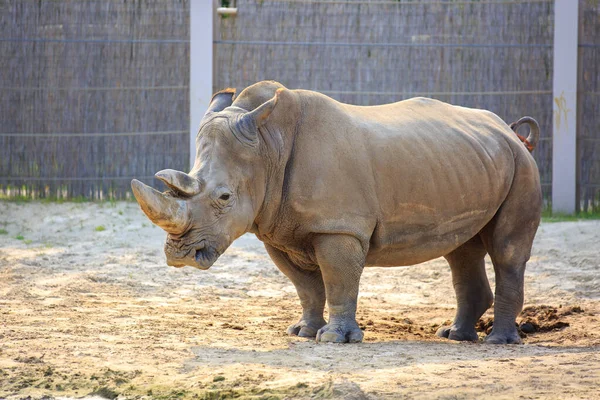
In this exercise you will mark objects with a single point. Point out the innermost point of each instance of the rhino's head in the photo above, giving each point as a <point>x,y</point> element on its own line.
<point>218,200</point>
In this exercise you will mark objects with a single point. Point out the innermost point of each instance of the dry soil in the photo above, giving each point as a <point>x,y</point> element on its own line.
<point>89,308</point>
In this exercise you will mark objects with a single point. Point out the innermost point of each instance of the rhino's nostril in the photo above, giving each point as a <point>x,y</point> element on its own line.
<point>205,255</point>
<point>201,255</point>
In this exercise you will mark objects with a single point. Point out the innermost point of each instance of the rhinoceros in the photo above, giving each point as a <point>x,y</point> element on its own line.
<point>331,188</point>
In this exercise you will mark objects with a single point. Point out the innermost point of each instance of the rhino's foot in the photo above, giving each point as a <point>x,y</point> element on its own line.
<point>503,337</point>
<point>348,332</point>
<point>453,333</point>
<point>306,328</point>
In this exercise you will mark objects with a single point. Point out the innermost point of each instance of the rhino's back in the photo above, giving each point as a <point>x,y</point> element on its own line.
<point>417,178</point>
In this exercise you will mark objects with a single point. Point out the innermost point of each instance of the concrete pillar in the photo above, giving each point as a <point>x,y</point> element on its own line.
<point>564,139</point>
<point>201,65</point>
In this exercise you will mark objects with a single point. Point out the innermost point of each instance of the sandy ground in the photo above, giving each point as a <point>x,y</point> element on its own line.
<point>89,308</point>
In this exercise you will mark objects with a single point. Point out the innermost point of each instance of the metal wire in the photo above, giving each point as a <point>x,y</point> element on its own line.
<point>93,134</point>
<point>498,93</point>
<point>142,41</point>
<point>101,89</point>
<point>408,3</point>
<point>350,44</point>
<point>37,179</point>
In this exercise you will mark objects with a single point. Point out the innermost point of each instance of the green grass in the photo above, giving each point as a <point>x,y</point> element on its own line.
<point>100,228</point>
<point>549,216</point>
<point>3,232</point>
<point>19,199</point>
<point>15,199</point>
<point>19,237</point>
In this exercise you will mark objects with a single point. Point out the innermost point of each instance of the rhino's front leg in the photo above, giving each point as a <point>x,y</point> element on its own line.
<point>341,259</point>
<point>311,291</point>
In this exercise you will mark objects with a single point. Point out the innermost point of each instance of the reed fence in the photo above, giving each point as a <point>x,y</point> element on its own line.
<point>96,92</point>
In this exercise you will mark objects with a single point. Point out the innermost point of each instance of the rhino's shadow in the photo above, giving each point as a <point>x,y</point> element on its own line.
<point>309,356</point>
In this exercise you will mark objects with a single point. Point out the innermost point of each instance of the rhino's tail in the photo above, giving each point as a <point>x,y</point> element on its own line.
<point>534,132</point>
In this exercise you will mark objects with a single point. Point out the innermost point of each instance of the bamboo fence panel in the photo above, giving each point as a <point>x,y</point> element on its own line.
<point>495,55</point>
<point>93,93</point>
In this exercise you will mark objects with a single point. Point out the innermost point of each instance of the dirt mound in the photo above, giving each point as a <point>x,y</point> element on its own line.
<point>535,319</point>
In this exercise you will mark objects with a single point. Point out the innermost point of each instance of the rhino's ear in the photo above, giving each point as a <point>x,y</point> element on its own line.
<point>221,100</point>
<point>250,122</point>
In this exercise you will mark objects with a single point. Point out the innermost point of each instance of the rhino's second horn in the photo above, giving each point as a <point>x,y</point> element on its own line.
<point>179,181</point>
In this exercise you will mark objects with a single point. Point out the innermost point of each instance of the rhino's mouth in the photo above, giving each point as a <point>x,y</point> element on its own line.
<point>201,255</point>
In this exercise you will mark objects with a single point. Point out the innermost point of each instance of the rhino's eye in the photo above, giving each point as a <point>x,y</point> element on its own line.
<point>223,197</point>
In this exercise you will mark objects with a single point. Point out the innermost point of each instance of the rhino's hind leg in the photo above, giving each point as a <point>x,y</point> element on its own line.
<point>473,293</point>
<point>341,259</point>
<point>311,291</point>
<point>508,238</point>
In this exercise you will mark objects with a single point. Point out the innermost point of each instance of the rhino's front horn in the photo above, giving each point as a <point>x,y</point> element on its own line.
<point>170,214</point>
<point>179,181</point>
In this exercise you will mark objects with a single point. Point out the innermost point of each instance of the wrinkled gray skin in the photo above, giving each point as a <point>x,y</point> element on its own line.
<point>331,188</point>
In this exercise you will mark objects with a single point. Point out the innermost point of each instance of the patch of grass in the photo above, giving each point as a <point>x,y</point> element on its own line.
<point>15,199</point>
<point>19,237</point>
<point>212,392</point>
<point>30,360</point>
<point>120,381</point>
<point>105,392</point>
<point>100,228</point>
<point>27,241</point>
<point>549,216</point>
<point>48,200</point>
<point>61,200</point>
<point>218,378</point>
<point>20,199</point>
<point>3,232</point>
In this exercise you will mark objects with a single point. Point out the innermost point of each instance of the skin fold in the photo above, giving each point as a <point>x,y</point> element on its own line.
<point>331,188</point>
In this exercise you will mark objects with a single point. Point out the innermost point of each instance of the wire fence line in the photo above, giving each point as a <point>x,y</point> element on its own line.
<point>94,89</point>
<point>355,44</point>
<point>89,134</point>
<point>409,2</point>
<point>101,41</point>
<point>494,93</point>
<point>97,178</point>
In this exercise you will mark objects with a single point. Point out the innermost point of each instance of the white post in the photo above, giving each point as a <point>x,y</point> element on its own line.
<point>564,138</point>
<point>201,65</point>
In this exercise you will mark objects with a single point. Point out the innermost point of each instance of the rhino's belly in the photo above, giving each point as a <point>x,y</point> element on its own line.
<point>401,243</point>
